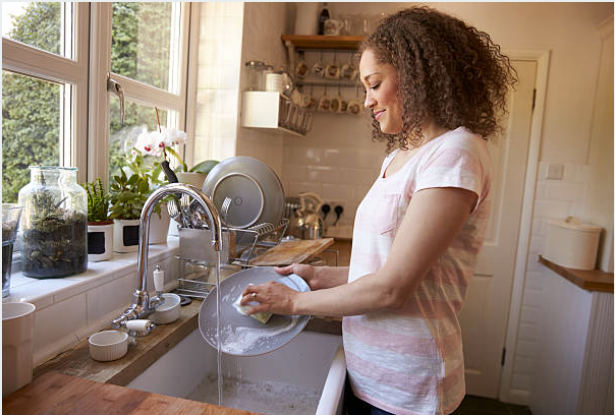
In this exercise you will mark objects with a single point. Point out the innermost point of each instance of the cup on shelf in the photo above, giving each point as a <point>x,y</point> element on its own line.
<point>332,71</point>
<point>318,69</point>
<point>325,103</point>
<point>354,107</point>
<point>347,71</point>
<point>335,104</point>
<point>302,70</point>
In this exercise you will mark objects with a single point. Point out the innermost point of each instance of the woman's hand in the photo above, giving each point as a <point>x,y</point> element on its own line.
<point>307,272</point>
<point>272,297</point>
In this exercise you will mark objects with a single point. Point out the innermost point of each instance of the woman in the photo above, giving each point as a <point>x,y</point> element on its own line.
<point>436,89</point>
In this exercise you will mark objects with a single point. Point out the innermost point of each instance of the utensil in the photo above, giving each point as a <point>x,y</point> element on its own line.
<point>225,207</point>
<point>243,335</point>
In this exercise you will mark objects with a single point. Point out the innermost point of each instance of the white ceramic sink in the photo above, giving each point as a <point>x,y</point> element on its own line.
<point>304,377</point>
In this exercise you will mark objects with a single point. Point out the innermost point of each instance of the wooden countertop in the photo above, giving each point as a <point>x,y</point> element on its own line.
<point>73,383</point>
<point>594,280</point>
<point>58,394</point>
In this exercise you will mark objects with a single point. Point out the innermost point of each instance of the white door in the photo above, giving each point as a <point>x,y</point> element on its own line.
<point>485,313</point>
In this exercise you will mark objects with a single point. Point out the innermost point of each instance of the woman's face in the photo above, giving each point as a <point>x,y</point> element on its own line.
<point>380,81</point>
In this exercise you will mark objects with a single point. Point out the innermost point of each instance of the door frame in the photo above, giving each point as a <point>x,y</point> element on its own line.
<point>542,58</point>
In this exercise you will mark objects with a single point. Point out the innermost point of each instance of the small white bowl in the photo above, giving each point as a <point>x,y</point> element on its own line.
<point>169,311</point>
<point>108,345</point>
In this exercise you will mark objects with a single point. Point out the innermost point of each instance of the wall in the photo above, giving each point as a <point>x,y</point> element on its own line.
<point>599,201</point>
<point>264,23</point>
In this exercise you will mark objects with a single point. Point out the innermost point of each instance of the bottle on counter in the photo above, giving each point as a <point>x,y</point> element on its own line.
<point>324,16</point>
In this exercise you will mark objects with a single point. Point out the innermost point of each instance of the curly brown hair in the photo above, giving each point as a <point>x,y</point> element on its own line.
<point>448,72</point>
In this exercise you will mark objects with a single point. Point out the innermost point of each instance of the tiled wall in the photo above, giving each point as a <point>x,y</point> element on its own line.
<point>337,160</point>
<point>264,22</point>
<point>554,199</point>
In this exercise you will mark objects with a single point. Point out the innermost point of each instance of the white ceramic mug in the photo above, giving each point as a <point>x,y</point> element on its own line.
<point>17,345</point>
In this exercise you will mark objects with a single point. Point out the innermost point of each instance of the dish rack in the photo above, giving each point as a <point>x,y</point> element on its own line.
<point>239,246</point>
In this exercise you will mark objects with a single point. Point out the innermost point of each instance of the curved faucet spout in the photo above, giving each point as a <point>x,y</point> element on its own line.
<point>142,305</point>
<point>213,219</point>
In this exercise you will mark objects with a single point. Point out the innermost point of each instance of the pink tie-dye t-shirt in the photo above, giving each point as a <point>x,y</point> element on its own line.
<point>410,361</point>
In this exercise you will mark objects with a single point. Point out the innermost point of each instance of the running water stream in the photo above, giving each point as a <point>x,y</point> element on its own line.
<point>218,337</point>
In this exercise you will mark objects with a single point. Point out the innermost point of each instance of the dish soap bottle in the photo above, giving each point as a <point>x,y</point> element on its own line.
<point>324,16</point>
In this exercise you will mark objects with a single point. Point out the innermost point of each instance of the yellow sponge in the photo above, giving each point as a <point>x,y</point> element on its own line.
<point>243,309</point>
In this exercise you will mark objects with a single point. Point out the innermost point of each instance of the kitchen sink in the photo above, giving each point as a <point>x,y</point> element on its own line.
<point>306,376</point>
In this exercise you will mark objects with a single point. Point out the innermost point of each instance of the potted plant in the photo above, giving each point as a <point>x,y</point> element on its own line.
<point>160,142</point>
<point>128,192</point>
<point>100,225</point>
<point>127,195</point>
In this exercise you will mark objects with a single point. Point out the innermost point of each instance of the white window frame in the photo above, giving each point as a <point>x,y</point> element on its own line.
<point>30,61</point>
<point>135,91</point>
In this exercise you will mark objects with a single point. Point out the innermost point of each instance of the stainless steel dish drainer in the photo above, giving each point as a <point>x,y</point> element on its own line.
<point>198,259</point>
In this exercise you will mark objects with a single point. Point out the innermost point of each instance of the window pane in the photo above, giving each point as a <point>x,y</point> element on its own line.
<point>30,129</point>
<point>142,41</point>
<point>39,24</point>
<point>137,118</point>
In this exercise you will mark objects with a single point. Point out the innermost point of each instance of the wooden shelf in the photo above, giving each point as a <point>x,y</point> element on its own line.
<point>323,42</point>
<point>594,280</point>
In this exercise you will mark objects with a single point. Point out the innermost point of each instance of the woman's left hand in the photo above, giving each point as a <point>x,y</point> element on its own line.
<point>272,297</point>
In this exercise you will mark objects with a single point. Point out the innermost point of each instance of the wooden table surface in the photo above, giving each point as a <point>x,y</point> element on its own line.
<point>57,394</point>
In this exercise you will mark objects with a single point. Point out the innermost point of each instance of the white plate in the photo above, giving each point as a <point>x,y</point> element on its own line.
<point>243,335</point>
<point>254,188</point>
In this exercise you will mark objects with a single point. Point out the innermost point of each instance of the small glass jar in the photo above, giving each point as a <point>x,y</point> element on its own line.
<point>53,223</point>
<point>255,75</point>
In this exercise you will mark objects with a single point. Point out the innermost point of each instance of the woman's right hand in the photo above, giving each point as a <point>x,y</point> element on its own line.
<point>307,272</point>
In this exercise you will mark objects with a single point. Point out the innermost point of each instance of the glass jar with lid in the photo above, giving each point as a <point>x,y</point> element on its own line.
<point>256,75</point>
<point>53,223</point>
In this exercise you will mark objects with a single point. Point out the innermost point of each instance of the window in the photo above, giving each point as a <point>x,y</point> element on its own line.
<point>148,59</point>
<point>44,88</point>
<point>56,58</point>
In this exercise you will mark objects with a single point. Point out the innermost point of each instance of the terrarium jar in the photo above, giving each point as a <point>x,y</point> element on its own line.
<point>53,223</point>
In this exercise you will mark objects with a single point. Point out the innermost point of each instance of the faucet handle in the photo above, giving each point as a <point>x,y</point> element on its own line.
<point>138,327</point>
<point>158,280</point>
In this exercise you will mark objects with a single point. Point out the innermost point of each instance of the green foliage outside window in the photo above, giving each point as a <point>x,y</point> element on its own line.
<point>31,108</point>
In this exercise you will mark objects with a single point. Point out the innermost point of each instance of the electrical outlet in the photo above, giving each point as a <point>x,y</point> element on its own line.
<point>555,171</point>
<point>332,216</point>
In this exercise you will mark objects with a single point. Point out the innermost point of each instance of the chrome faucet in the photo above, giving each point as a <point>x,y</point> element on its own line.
<point>142,304</point>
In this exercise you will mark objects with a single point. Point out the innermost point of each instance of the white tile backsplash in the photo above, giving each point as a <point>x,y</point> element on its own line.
<point>70,309</point>
<point>57,324</point>
<point>112,296</point>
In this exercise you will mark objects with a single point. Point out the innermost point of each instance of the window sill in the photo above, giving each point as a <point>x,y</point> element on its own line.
<point>45,292</point>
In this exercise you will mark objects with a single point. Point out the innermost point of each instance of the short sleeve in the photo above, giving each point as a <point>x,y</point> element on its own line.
<point>463,163</point>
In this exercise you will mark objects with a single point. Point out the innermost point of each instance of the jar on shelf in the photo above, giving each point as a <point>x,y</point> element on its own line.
<point>256,75</point>
<point>53,223</point>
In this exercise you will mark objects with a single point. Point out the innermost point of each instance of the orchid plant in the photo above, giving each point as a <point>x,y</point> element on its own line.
<point>158,142</point>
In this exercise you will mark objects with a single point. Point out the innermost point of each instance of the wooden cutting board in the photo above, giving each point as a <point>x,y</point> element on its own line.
<point>56,394</point>
<point>296,250</point>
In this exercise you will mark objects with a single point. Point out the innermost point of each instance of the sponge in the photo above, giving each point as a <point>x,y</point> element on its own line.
<point>243,309</point>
